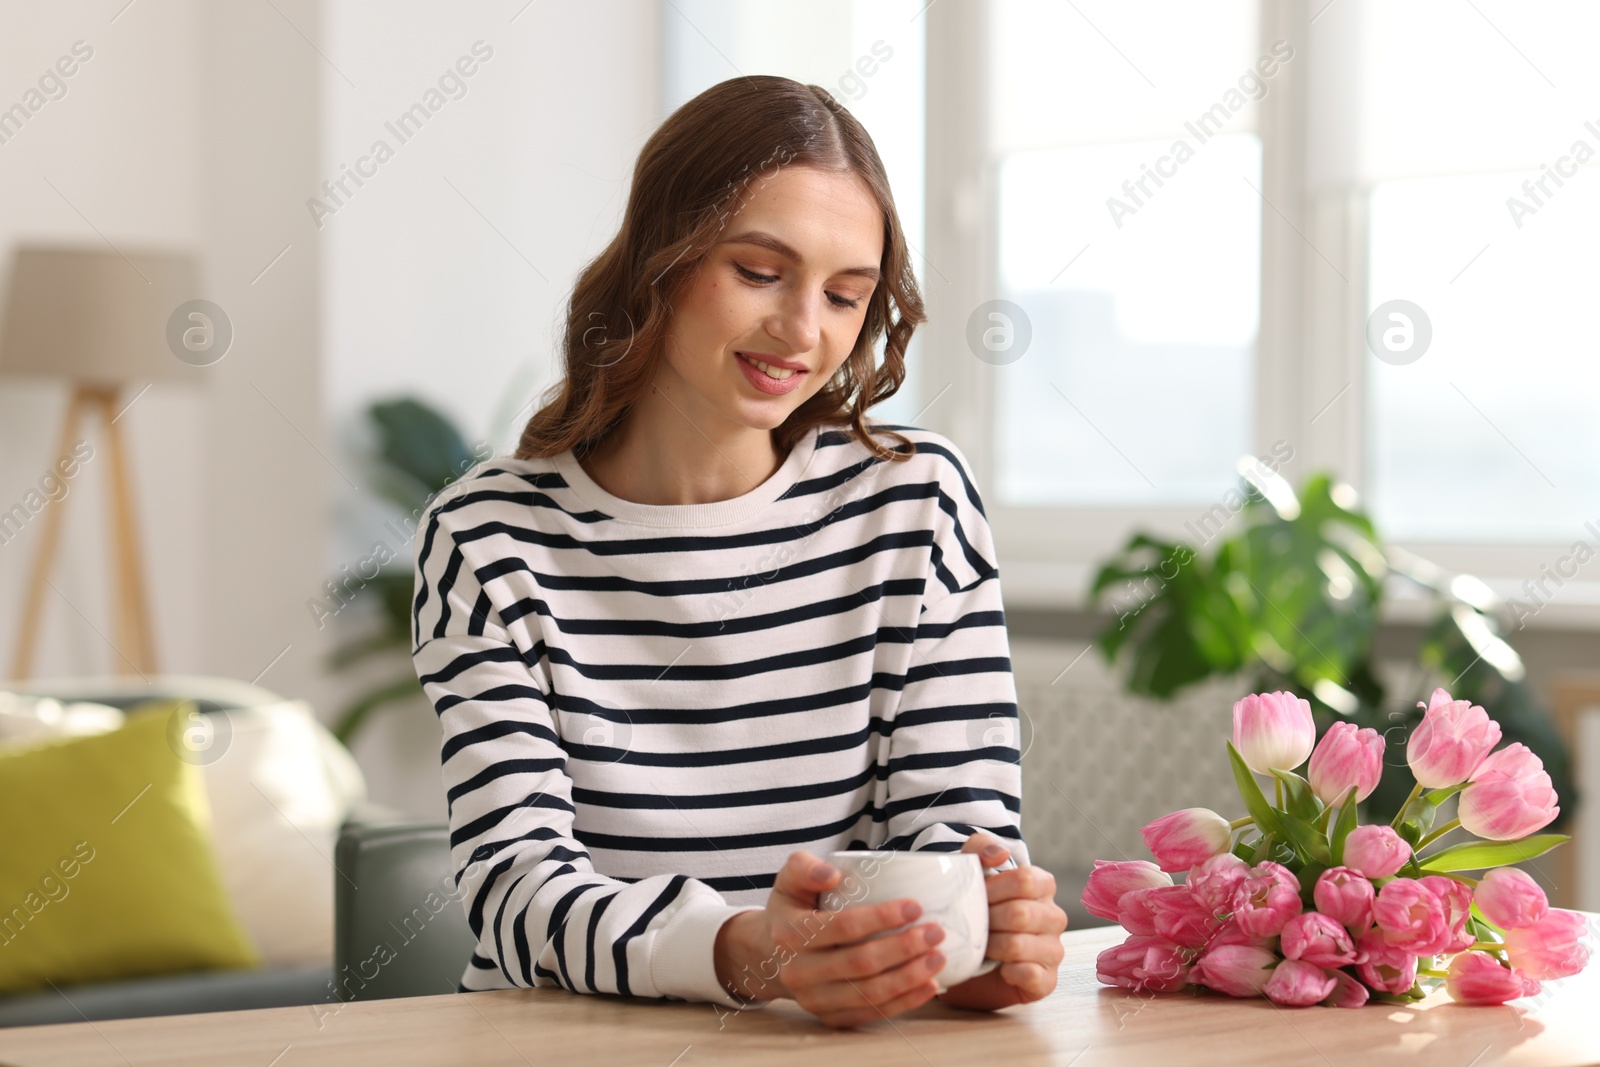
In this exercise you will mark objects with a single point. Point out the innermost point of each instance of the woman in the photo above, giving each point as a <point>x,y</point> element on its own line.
<point>706,626</point>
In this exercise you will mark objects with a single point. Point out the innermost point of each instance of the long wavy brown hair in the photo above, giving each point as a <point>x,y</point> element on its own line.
<point>686,184</point>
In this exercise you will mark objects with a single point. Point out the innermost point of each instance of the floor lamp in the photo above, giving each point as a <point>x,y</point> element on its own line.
<point>99,319</point>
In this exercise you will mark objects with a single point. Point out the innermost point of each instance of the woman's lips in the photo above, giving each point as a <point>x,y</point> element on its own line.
<point>763,381</point>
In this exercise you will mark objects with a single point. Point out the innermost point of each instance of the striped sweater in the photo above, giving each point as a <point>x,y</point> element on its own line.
<point>646,708</point>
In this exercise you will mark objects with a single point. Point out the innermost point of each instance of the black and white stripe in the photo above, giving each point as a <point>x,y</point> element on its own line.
<point>646,709</point>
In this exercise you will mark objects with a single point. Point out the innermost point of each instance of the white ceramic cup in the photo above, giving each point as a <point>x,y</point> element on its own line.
<point>948,885</point>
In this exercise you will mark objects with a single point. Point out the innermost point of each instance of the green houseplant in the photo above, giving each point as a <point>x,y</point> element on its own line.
<point>1291,602</point>
<point>419,452</point>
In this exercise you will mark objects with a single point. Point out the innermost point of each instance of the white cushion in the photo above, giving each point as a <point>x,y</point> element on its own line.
<point>278,793</point>
<point>25,718</point>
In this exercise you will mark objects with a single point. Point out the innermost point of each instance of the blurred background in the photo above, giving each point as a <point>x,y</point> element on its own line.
<point>1350,239</point>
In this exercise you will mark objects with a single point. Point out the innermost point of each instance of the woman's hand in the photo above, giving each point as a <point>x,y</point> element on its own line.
<point>819,958</point>
<point>1025,926</point>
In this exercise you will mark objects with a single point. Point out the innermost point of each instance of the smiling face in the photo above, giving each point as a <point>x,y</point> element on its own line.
<point>787,284</point>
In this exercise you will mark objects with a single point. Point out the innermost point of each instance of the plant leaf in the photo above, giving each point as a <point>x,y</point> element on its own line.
<point>1263,849</point>
<point>1308,883</point>
<point>1480,855</point>
<point>350,719</point>
<point>1309,845</point>
<point>1301,801</point>
<point>1180,630</point>
<point>420,442</point>
<point>1265,815</point>
<point>1343,825</point>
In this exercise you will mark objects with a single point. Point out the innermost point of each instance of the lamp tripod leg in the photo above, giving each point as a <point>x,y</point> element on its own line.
<point>33,612</point>
<point>135,641</point>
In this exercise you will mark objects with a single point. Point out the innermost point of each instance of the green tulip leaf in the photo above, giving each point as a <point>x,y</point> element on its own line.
<point>1481,855</point>
<point>1309,845</point>
<point>1421,819</point>
<point>1343,825</point>
<point>1255,802</point>
<point>1301,802</point>
<point>1263,850</point>
<point>1480,927</point>
<point>1308,883</point>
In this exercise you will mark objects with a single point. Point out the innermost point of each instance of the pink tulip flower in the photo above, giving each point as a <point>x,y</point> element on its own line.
<point>1385,967</point>
<point>1178,916</point>
<point>1318,939</point>
<point>1411,918</point>
<point>1346,896</point>
<point>1553,947</point>
<point>1347,992</point>
<point>1375,851</point>
<point>1187,838</point>
<point>1509,898</point>
<point>1109,880</point>
<point>1346,756</point>
<point>1452,739</point>
<point>1456,899</point>
<point>1214,881</point>
<point>1237,970</point>
<point>1479,978</point>
<point>1509,797</point>
<point>1229,933</point>
<point>1136,910</point>
<point>1143,963</point>
<point>1267,899</point>
<point>1273,730</point>
<point>1298,984</point>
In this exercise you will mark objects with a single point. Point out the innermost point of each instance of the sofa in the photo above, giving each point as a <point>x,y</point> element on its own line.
<point>279,790</point>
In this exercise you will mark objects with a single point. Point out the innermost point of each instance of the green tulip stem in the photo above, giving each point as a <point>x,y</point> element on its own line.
<point>1279,783</point>
<point>1235,824</point>
<point>1486,946</point>
<point>1440,832</point>
<point>1431,973</point>
<point>1400,816</point>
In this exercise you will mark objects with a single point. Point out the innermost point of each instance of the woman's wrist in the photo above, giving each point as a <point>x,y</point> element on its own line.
<point>745,958</point>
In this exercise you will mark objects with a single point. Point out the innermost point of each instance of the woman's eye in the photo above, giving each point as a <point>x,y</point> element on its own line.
<point>838,301</point>
<point>753,276</point>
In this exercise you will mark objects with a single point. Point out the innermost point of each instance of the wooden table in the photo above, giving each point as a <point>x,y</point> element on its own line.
<point>1082,1023</point>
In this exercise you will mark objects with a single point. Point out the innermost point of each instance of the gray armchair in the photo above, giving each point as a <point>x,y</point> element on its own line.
<point>399,927</point>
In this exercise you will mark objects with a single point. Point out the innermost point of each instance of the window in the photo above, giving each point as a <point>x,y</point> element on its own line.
<point>1480,162</point>
<point>1228,312</point>
<point>1129,235</point>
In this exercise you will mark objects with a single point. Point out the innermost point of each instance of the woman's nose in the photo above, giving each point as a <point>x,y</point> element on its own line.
<point>798,323</point>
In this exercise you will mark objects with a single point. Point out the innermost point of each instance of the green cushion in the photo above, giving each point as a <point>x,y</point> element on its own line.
<point>107,869</point>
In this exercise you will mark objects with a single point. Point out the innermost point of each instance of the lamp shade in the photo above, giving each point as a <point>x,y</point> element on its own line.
<point>95,316</point>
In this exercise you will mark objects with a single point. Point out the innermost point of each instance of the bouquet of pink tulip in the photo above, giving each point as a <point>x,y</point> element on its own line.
<point>1299,903</point>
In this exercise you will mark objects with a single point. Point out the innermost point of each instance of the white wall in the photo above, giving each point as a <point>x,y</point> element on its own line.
<point>115,162</point>
<point>209,127</point>
<point>448,271</point>
<point>190,127</point>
